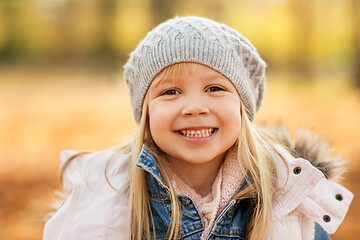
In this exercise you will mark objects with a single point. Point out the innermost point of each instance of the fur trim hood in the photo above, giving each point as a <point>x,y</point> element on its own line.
<point>313,148</point>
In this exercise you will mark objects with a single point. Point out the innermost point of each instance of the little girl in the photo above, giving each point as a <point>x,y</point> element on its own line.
<point>199,168</point>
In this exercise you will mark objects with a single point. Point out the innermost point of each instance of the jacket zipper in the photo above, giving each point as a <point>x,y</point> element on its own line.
<point>230,204</point>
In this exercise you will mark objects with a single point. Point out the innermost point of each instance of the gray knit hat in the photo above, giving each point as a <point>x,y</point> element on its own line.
<point>201,40</point>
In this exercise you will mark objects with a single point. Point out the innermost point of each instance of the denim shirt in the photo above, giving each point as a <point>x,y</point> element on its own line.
<point>230,224</point>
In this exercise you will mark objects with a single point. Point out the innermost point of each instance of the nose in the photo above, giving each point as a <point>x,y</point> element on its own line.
<point>195,107</point>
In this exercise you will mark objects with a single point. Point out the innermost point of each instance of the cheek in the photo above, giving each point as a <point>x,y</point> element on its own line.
<point>160,122</point>
<point>234,122</point>
<point>231,116</point>
<point>154,125</point>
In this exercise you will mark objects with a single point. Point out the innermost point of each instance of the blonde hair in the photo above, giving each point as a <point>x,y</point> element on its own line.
<point>254,150</point>
<point>139,205</point>
<point>255,147</point>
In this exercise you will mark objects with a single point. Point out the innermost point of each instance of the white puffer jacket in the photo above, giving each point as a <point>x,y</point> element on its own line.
<point>95,210</point>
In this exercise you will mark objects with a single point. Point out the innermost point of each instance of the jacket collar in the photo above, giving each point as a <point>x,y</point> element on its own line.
<point>147,162</point>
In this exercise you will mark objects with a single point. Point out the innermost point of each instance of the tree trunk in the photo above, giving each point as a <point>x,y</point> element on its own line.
<point>162,10</point>
<point>302,58</point>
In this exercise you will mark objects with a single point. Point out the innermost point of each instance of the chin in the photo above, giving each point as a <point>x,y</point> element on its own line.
<point>199,159</point>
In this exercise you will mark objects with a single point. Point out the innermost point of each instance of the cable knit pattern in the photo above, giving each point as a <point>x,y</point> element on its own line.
<point>200,40</point>
<point>226,185</point>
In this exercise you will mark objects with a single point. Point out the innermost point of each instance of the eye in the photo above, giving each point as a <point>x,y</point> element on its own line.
<point>214,89</point>
<point>170,92</point>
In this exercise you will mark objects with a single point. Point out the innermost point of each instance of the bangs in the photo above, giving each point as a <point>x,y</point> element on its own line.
<point>172,72</point>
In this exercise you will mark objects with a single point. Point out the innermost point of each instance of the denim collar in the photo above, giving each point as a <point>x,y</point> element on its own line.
<point>147,162</point>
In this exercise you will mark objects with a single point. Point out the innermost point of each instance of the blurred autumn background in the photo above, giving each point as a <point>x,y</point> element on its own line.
<point>61,84</point>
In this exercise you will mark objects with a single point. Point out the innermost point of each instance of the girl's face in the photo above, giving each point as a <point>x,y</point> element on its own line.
<point>194,115</point>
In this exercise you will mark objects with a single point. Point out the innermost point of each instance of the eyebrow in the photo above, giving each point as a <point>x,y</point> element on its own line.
<point>173,78</point>
<point>164,80</point>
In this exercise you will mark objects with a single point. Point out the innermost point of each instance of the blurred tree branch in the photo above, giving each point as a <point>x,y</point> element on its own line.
<point>356,64</point>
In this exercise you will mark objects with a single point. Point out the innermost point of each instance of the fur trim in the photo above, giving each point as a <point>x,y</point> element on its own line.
<point>55,204</point>
<point>314,148</point>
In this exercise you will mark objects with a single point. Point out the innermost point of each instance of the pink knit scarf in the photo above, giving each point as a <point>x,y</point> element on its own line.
<point>226,185</point>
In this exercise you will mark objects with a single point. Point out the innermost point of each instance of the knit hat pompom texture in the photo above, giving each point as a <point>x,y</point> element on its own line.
<point>200,40</point>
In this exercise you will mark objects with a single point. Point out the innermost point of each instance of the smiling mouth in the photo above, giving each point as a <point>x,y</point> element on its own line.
<point>205,132</point>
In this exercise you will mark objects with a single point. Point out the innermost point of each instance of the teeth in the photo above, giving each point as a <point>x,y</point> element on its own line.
<point>198,133</point>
